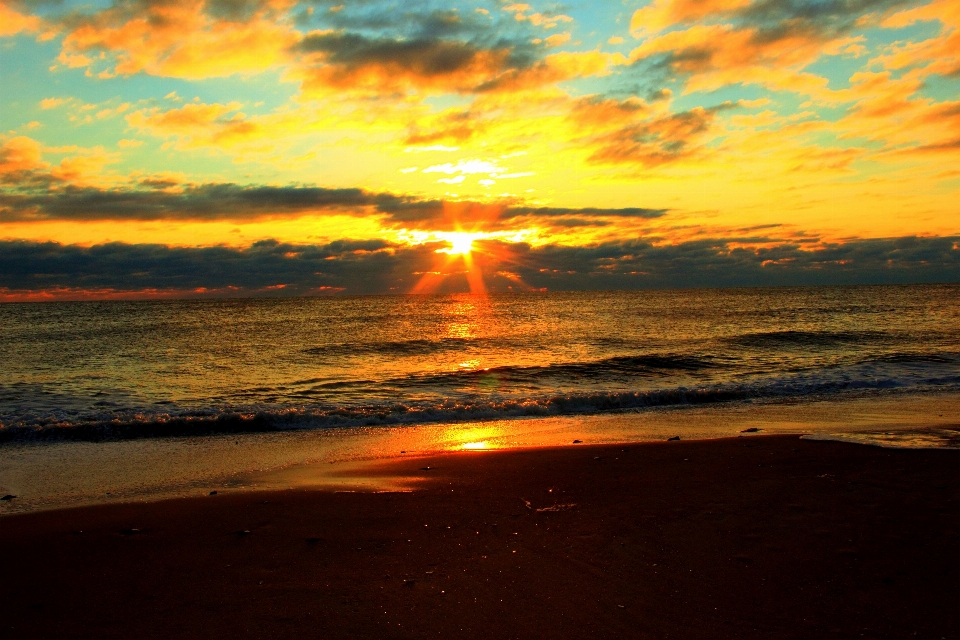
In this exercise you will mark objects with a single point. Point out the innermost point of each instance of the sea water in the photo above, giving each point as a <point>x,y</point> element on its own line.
<point>116,370</point>
<point>107,401</point>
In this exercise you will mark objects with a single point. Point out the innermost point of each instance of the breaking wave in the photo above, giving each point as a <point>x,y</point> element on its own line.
<point>123,425</point>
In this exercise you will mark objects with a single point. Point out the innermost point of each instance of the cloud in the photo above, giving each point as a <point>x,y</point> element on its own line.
<point>771,19</point>
<point>720,262</point>
<point>594,129</point>
<point>554,68</point>
<point>35,196</point>
<point>120,267</point>
<point>190,39</point>
<point>370,48</point>
<point>337,61</point>
<point>197,123</point>
<point>548,212</point>
<point>263,137</point>
<point>936,55</point>
<point>547,21</point>
<point>631,132</point>
<point>166,200</point>
<point>767,42</point>
<point>21,161</point>
<point>23,169</point>
<point>13,22</point>
<point>53,103</point>
<point>370,267</point>
<point>662,14</point>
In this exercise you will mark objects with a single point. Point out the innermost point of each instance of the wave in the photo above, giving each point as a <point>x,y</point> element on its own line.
<point>226,420</point>
<point>412,347</point>
<point>638,365</point>
<point>795,338</point>
<point>916,358</point>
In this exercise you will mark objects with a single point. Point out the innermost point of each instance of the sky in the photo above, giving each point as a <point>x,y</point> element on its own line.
<point>159,148</point>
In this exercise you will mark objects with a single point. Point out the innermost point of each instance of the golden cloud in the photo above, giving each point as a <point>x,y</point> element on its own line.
<point>179,39</point>
<point>13,22</point>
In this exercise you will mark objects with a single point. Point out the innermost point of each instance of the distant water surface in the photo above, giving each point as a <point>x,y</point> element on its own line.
<point>108,370</point>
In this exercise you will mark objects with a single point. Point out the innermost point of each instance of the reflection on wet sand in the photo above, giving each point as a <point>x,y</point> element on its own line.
<point>72,473</point>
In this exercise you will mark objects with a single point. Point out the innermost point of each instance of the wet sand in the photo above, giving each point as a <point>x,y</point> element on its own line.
<point>754,537</point>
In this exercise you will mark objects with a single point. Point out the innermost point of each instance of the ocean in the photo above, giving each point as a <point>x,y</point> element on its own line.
<point>95,371</point>
<point>128,401</point>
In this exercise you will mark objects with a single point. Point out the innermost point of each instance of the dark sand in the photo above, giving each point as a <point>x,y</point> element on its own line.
<point>759,537</point>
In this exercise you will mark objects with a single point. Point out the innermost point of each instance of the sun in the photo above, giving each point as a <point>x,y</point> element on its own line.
<point>461,244</point>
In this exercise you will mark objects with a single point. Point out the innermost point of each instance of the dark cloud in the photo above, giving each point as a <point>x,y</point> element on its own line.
<point>365,266</point>
<point>198,202</point>
<point>779,19</point>
<point>353,60</point>
<point>423,57</point>
<point>421,20</point>
<point>399,20</point>
<point>167,200</point>
<point>398,47</point>
<point>727,263</point>
<point>374,266</point>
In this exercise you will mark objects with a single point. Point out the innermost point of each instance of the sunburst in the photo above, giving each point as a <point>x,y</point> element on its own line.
<point>461,243</point>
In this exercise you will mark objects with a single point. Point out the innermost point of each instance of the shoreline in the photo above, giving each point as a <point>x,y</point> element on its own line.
<point>62,475</point>
<point>761,537</point>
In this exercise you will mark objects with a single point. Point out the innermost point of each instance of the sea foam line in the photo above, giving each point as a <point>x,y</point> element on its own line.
<point>253,419</point>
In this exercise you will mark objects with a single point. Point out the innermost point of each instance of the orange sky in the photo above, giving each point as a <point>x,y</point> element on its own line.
<point>210,123</point>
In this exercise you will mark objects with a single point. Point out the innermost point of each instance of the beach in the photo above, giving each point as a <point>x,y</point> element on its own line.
<point>746,537</point>
<point>770,463</point>
<point>488,320</point>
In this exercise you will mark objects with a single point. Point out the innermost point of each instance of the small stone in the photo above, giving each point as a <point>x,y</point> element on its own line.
<point>577,441</point>
<point>673,438</point>
<point>213,493</point>
<point>750,430</point>
<point>426,468</point>
<point>8,497</point>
